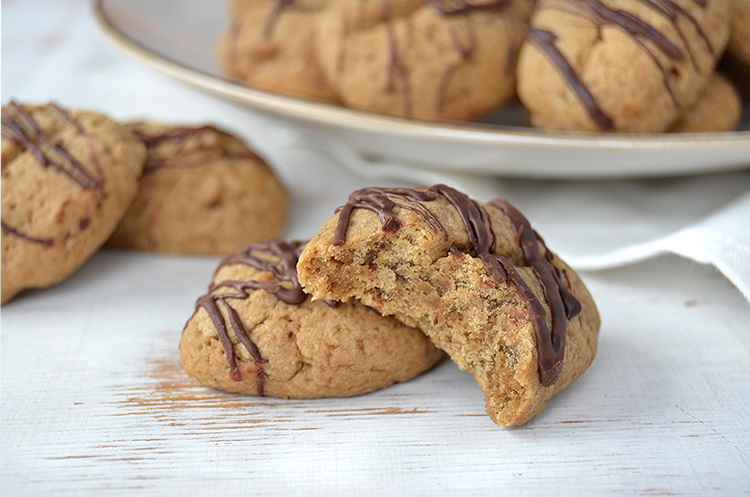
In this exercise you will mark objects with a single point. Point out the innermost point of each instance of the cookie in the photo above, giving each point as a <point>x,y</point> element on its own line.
<point>68,178</point>
<point>203,192</point>
<point>257,333</point>
<point>719,109</point>
<point>270,45</point>
<point>631,66</point>
<point>475,278</point>
<point>429,60</point>
<point>739,39</point>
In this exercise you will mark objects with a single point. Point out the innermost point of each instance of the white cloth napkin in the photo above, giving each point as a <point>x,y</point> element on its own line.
<point>605,224</point>
<point>721,239</point>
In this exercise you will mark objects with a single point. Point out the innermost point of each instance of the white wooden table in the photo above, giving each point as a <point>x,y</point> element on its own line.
<point>94,401</point>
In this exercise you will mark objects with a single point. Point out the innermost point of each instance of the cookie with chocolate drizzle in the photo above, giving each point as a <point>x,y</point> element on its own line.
<point>203,191</point>
<point>739,39</point>
<point>270,45</point>
<point>256,332</point>
<point>423,59</point>
<point>68,178</point>
<point>628,66</point>
<point>474,277</point>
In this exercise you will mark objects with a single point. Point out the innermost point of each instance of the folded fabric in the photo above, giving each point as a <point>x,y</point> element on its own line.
<point>722,239</point>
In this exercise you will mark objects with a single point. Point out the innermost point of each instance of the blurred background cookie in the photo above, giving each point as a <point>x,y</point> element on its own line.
<point>739,39</point>
<point>203,191</point>
<point>630,66</point>
<point>67,179</point>
<point>718,109</point>
<point>256,332</point>
<point>270,45</point>
<point>736,61</point>
<point>429,60</point>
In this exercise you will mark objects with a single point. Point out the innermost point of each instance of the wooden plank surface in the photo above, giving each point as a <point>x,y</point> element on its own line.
<point>94,401</point>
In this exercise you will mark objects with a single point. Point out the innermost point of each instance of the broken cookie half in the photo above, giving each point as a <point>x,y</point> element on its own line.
<point>474,277</point>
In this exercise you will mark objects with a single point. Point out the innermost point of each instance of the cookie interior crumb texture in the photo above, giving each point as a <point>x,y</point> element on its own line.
<point>67,179</point>
<point>474,277</point>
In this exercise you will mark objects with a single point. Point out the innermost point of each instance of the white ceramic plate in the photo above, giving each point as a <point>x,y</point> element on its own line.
<point>178,37</point>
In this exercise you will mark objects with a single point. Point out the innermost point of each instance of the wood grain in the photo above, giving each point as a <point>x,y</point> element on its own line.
<point>94,401</point>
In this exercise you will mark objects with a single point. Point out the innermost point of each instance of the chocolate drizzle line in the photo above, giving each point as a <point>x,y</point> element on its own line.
<point>457,7</point>
<point>343,36</point>
<point>179,137</point>
<point>378,200</point>
<point>278,7</point>
<point>276,257</point>
<point>233,36</point>
<point>47,242</point>
<point>545,40</point>
<point>397,73</point>
<point>643,34</point>
<point>465,53</point>
<point>261,256</point>
<point>563,305</point>
<point>397,70</point>
<point>19,128</point>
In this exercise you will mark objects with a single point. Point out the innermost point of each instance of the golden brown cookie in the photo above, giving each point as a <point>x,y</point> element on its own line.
<point>474,277</point>
<point>718,109</point>
<point>423,59</point>
<point>203,191</point>
<point>631,66</point>
<point>739,39</point>
<point>68,177</point>
<point>256,332</point>
<point>270,45</point>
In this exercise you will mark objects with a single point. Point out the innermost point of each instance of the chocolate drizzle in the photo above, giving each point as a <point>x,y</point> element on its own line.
<point>273,18</point>
<point>397,71</point>
<point>19,128</point>
<point>562,303</point>
<point>398,38</point>
<point>545,40</point>
<point>261,256</point>
<point>465,53</point>
<point>457,7</point>
<point>378,200</point>
<point>47,242</point>
<point>276,257</point>
<point>645,35</point>
<point>179,138</point>
<point>279,7</point>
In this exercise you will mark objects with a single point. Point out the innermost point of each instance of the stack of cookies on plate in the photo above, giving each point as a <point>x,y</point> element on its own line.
<point>630,66</point>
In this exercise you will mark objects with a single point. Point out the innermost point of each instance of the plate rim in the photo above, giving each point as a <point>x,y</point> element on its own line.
<point>463,133</point>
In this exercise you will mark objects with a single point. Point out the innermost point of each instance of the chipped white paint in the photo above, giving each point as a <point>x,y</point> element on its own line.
<point>94,401</point>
